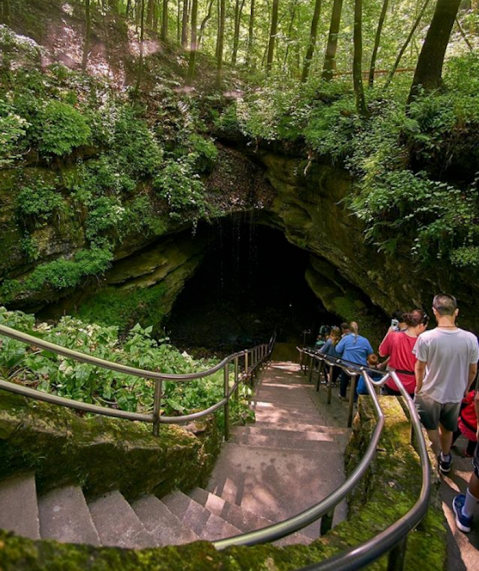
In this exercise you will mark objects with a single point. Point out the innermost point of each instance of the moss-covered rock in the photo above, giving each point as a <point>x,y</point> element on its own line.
<point>64,448</point>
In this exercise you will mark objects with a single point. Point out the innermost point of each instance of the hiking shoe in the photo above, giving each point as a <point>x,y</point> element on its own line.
<point>445,464</point>
<point>463,523</point>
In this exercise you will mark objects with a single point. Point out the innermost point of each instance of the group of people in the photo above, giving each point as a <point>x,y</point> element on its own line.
<point>437,367</point>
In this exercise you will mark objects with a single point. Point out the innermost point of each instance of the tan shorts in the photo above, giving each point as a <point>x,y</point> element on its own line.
<point>432,413</point>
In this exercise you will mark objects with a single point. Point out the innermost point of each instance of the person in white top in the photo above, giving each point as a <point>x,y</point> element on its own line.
<point>445,369</point>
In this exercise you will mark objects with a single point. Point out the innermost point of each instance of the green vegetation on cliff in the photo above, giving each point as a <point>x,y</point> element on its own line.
<point>415,167</point>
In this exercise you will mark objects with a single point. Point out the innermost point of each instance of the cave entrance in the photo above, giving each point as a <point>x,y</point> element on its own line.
<point>251,282</point>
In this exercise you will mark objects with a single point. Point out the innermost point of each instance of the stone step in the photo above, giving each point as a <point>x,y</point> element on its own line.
<point>165,527</point>
<point>290,440</point>
<point>117,524</point>
<point>203,522</point>
<point>314,431</point>
<point>19,507</point>
<point>276,483</point>
<point>242,519</point>
<point>65,517</point>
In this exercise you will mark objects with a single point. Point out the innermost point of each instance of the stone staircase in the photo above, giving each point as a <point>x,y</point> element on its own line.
<point>289,459</point>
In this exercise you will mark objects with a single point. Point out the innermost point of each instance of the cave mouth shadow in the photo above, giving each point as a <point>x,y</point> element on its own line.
<point>252,282</point>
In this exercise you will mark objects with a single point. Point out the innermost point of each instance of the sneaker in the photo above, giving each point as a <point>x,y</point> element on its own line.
<point>463,523</point>
<point>341,398</point>
<point>445,464</point>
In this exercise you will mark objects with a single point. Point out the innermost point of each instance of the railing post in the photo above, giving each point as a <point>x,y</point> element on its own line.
<point>330,383</point>
<point>226,376</point>
<point>352,395</point>
<point>246,364</point>
<point>236,377</point>
<point>326,523</point>
<point>311,361</point>
<point>320,369</point>
<point>396,556</point>
<point>157,407</point>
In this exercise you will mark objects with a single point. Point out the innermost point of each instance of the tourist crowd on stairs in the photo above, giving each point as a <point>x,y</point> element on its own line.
<point>437,368</point>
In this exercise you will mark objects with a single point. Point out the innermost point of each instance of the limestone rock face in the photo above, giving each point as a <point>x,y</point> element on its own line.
<point>306,200</point>
<point>311,209</point>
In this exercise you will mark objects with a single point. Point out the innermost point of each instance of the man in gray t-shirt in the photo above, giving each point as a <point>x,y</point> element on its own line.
<point>445,369</point>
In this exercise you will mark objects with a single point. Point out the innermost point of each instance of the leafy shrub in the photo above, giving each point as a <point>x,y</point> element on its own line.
<point>13,130</point>
<point>182,188</point>
<point>60,128</point>
<point>61,273</point>
<point>69,378</point>
<point>39,202</point>
<point>139,152</point>
<point>105,214</point>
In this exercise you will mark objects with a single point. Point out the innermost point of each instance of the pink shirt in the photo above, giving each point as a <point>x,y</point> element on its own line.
<point>399,346</point>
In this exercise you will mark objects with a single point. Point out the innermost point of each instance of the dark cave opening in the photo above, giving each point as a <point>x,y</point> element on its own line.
<point>250,283</point>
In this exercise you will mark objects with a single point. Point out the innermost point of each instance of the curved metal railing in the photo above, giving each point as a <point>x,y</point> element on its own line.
<point>253,358</point>
<point>393,538</point>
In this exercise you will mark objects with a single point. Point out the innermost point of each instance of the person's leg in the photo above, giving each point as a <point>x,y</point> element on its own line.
<point>344,382</point>
<point>435,441</point>
<point>471,446</point>
<point>445,437</point>
<point>464,505</point>
<point>429,411</point>
<point>447,426</point>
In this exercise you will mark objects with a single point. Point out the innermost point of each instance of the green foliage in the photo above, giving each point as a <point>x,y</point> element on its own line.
<point>104,215</point>
<point>13,129</point>
<point>66,377</point>
<point>61,273</point>
<point>124,307</point>
<point>30,248</point>
<point>182,188</point>
<point>60,128</point>
<point>39,202</point>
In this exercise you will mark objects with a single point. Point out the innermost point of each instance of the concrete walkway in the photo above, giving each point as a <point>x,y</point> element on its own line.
<point>291,457</point>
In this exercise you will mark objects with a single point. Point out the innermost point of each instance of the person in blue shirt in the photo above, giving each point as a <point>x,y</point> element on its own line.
<point>353,348</point>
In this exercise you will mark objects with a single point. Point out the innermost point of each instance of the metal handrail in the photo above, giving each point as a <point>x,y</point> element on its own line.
<point>352,559</point>
<point>258,353</point>
<point>392,538</point>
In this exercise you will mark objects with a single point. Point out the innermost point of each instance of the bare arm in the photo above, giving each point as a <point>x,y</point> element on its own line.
<point>472,376</point>
<point>420,371</point>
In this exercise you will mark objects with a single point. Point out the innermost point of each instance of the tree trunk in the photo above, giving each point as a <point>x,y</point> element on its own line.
<point>238,12</point>
<point>357,59</point>
<point>150,13</point>
<point>330,57</point>
<point>406,43</point>
<point>204,22</point>
<point>312,41</point>
<point>250,32</point>
<point>290,32</point>
<point>431,59</point>
<point>178,21</point>
<point>220,42</point>
<point>272,35</point>
<point>128,8</point>
<point>377,40</point>
<point>86,43</point>
<point>193,44</point>
<point>184,25</point>
<point>142,35</point>
<point>164,22</point>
